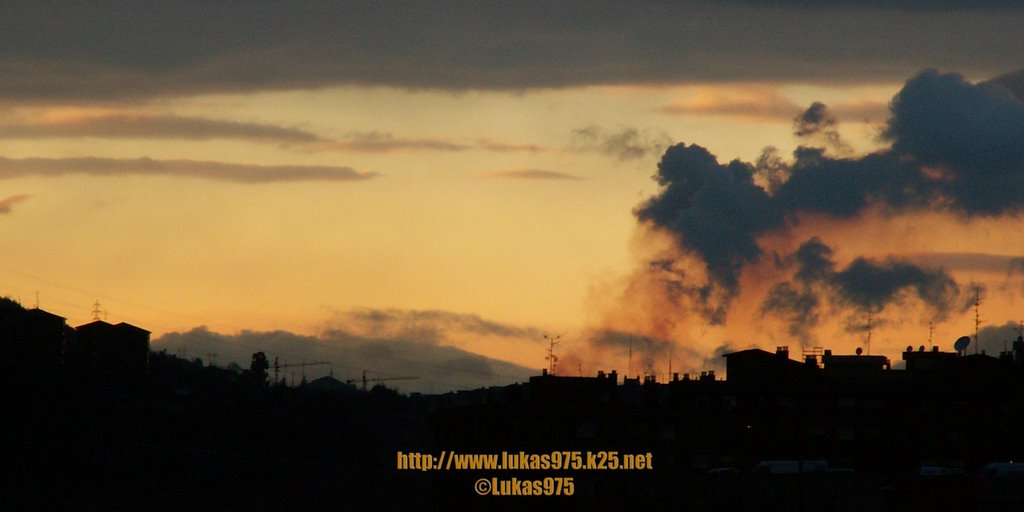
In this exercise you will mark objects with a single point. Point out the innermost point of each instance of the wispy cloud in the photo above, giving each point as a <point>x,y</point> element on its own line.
<point>528,174</point>
<point>627,143</point>
<point>7,204</point>
<point>752,102</point>
<point>378,142</point>
<point>244,173</point>
<point>506,147</point>
<point>763,103</point>
<point>152,126</point>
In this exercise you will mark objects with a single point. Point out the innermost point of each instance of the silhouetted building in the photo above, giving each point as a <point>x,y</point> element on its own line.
<point>853,367</point>
<point>119,350</point>
<point>758,367</point>
<point>928,361</point>
<point>32,336</point>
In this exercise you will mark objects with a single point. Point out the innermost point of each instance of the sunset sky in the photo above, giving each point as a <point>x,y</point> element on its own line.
<point>428,189</point>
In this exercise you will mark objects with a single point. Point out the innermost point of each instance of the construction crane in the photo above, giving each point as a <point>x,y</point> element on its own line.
<point>379,379</point>
<point>278,366</point>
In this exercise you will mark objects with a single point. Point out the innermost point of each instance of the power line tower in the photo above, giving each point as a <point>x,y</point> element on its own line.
<point>98,311</point>
<point>551,357</point>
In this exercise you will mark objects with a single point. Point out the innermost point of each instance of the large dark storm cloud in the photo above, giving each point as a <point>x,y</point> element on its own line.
<point>865,285</point>
<point>955,146</point>
<point>67,51</point>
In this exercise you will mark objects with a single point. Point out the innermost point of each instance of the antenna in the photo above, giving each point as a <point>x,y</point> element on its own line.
<point>961,344</point>
<point>551,357</point>
<point>977,316</point>
<point>96,310</point>
<point>931,332</point>
<point>630,365</point>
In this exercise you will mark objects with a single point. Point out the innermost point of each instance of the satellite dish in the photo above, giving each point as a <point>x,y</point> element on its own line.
<point>962,343</point>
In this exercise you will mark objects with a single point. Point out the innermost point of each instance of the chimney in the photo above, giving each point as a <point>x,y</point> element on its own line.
<point>614,376</point>
<point>544,372</point>
<point>782,352</point>
<point>675,377</point>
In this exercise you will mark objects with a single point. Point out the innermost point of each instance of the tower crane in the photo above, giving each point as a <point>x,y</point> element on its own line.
<point>278,366</point>
<point>379,379</point>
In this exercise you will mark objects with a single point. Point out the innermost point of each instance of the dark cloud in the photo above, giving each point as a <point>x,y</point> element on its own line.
<point>135,126</point>
<point>955,147</point>
<point>626,144</point>
<point>244,173</point>
<point>863,286</point>
<point>717,211</point>
<point>437,368</point>
<point>1013,81</point>
<point>529,174</point>
<point>109,51</point>
<point>871,285</point>
<point>818,123</point>
<point>970,133</point>
<point>891,5</point>
<point>8,203</point>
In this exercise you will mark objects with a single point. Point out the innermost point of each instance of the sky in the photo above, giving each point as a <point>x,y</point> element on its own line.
<point>435,189</point>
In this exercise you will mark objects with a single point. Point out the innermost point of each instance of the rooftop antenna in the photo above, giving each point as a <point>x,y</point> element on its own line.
<point>579,368</point>
<point>931,332</point>
<point>630,365</point>
<point>551,357</point>
<point>977,316</point>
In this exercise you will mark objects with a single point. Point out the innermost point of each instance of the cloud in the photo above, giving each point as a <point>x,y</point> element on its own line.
<point>437,368</point>
<point>1013,81</point>
<point>104,52</point>
<point>529,174</point>
<point>993,339</point>
<point>819,124</point>
<point>626,144</point>
<point>428,326</point>
<point>954,148</point>
<point>505,147</point>
<point>970,261</point>
<point>865,285</point>
<point>763,103</point>
<point>751,102</point>
<point>147,126</point>
<point>7,204</point>
<point>243,173</point>
<point>377,142</point>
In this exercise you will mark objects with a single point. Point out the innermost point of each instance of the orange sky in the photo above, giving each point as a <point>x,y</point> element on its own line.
<point>198,195</point>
